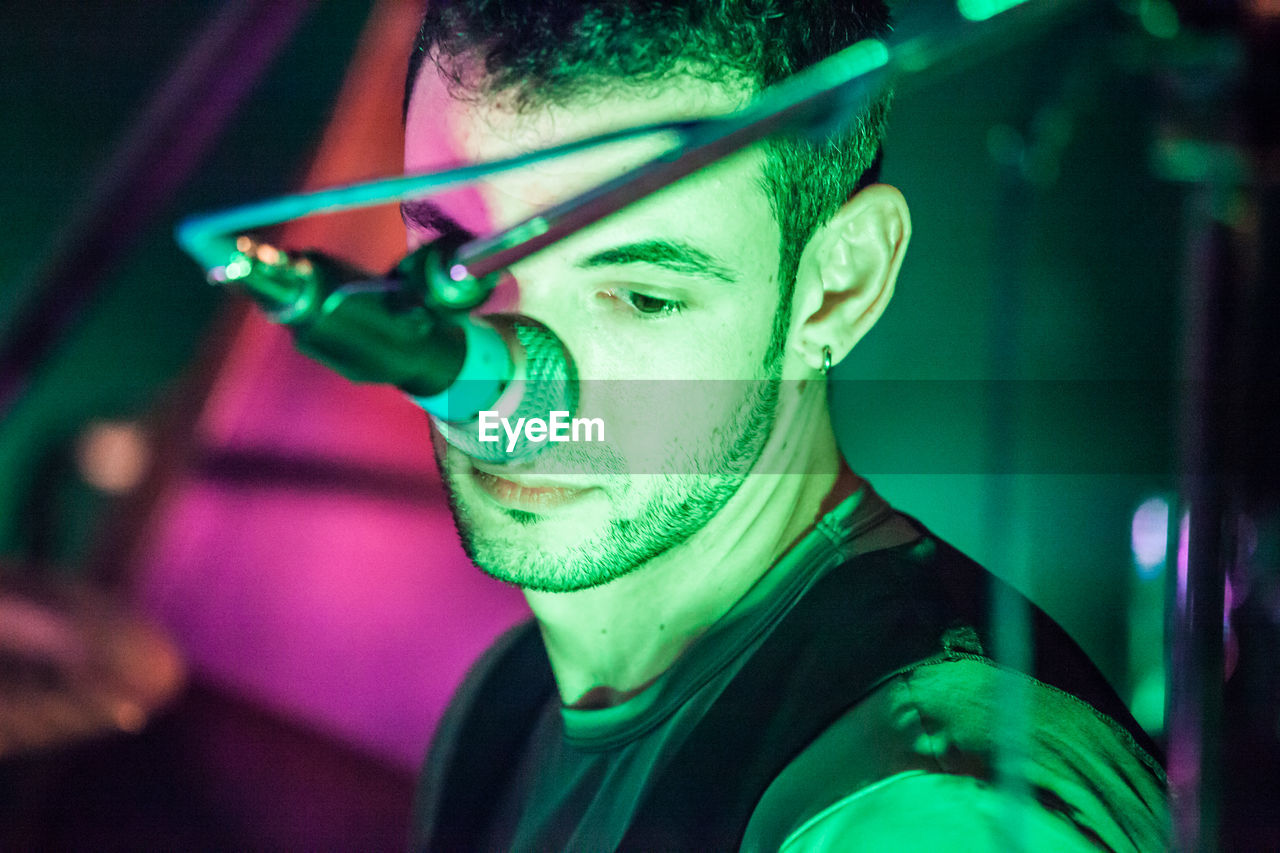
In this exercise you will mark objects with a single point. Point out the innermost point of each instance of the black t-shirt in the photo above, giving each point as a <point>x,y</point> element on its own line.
<point>948,749</point>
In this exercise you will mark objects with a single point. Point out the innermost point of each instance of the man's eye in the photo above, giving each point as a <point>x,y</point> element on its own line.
<point>649,306</point>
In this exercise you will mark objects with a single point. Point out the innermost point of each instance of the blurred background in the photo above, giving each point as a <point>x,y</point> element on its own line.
<point>232,605</point>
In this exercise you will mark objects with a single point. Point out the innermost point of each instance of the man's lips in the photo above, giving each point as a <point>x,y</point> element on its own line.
<point>525,495</point>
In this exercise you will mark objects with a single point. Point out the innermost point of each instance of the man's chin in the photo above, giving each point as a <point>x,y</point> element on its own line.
<point>533,541</point>
<point>542,562</point>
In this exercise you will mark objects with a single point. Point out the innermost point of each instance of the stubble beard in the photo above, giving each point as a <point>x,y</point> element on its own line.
<point>682,505</point>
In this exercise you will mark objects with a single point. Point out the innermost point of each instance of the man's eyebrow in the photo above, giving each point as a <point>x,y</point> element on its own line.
<point>427,216</point>
<point>673,255</point>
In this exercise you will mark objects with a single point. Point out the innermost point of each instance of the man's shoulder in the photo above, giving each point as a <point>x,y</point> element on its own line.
<point>871,689</point>
<point>513,676</point>
<point>916,763</point>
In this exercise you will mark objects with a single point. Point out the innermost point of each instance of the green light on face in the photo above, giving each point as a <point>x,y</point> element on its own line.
<point>980,10</point>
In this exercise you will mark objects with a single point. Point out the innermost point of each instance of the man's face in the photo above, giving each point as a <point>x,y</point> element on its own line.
<point>658,305</point>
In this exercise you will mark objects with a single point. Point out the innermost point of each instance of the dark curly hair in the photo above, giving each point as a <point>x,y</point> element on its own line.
<point>539,53</point>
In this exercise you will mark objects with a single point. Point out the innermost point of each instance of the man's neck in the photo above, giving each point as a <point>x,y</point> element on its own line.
<point>608,642</point>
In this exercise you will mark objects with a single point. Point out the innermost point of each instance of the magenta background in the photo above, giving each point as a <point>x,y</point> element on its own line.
<point>356,614</point>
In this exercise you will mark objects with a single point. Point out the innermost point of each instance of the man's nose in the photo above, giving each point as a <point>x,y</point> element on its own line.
<point>535,287</point>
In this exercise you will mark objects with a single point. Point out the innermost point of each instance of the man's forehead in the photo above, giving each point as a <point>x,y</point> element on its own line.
<point>443,131</point>
<point>489,126</point>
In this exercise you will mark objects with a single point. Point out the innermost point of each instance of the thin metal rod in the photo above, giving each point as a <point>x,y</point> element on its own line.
<point>812,101</point>
<point>793,105</point>
<point>210,238</point>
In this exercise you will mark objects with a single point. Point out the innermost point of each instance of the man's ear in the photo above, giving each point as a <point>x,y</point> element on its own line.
<point>847,273</point>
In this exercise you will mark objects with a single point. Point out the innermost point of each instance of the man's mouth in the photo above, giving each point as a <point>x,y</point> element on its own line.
<point>527,496</point>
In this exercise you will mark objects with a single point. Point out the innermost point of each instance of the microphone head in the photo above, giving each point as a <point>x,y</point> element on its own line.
<point>544,380</point>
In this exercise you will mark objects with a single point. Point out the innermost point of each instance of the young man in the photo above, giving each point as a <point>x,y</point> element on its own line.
<point>736,643</point>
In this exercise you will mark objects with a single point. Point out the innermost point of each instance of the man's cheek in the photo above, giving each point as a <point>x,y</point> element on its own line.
<point>662,427</point>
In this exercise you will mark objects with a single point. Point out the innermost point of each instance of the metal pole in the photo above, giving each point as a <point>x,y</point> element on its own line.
<point>1196,666</point>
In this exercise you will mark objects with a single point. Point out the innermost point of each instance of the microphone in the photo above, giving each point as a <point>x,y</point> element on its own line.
<point>411,329</point>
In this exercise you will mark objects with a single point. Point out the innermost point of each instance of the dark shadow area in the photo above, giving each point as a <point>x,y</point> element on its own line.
<point>213,773</point>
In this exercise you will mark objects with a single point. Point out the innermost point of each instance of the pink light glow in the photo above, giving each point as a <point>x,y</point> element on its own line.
<point>1184,540</point>
<point>1149,536</point>
<point>359,616</point>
